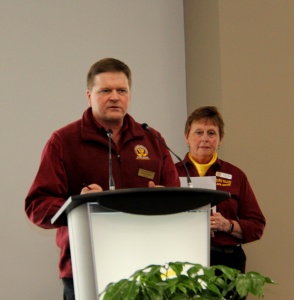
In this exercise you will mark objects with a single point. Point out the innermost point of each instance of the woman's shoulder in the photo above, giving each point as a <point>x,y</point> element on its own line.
<point>226,166</point>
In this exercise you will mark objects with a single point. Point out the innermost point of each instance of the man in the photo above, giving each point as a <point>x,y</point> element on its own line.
<point>77,155</point>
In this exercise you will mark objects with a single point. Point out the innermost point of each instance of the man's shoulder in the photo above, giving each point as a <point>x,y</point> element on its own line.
<point>70,128</point>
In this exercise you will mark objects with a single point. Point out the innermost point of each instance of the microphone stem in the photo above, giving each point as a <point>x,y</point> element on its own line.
<point>111,180</point>
<point>189,181</point>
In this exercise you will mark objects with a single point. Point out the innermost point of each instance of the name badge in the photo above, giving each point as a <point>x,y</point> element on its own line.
<point>146,174</point>
<point>223,175</point>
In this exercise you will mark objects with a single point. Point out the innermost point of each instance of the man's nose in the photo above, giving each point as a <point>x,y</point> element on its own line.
<point>114,95</point>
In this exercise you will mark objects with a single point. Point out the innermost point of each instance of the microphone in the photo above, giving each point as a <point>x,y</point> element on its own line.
<point>111,180</point>
<point>147,128</point>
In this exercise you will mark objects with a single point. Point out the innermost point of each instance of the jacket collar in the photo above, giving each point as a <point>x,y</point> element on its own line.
<point>189,163</point>
<point>92,130</point>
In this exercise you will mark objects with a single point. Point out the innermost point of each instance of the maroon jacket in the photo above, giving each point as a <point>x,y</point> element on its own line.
<point>242,206</point>
<point>77,154</point>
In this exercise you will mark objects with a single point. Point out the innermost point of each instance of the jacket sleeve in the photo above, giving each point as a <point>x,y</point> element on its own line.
<point>49,189</point>
<point>251,218</point>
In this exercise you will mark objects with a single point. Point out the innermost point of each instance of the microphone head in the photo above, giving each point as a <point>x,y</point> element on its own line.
<point>109,133</point>
<point>145,126</point>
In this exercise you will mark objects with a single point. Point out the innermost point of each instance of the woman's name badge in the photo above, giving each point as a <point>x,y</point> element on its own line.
<point>223,175</point>
<point>146,174</point>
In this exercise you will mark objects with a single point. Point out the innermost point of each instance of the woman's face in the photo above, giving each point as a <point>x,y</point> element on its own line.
<point>203,140</point>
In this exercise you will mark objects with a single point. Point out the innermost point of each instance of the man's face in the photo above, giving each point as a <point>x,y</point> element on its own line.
<point>109,97</point>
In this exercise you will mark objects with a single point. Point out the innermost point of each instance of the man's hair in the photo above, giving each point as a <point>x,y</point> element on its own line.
<point>206,114</point>
<point>107,65</point>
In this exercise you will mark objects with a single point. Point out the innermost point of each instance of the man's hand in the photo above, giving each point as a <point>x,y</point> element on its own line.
<point>151,184</point>
<point>91,188</point>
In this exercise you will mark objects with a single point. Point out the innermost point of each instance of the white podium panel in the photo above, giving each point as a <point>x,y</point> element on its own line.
<point>123,243</point>
<point>109,246</point>
<point>81,253</point>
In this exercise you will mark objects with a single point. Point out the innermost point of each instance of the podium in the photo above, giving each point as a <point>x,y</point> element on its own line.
<point>114,233</point>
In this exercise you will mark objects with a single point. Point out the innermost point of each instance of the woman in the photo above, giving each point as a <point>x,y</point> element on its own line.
<point>237,220</point>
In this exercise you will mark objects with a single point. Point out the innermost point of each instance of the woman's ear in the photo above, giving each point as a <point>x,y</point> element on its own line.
<point>186,140</point>
<point>220,142</point>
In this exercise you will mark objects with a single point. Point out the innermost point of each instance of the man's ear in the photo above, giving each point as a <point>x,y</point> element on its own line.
<point>88,94</point>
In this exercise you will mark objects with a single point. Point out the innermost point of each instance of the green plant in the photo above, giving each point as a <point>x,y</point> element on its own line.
<point>184,280</point>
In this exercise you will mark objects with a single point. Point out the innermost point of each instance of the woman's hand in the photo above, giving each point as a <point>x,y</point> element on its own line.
<point>219,223</point>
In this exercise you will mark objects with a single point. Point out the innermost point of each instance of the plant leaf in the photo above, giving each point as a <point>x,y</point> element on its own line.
<point>122,290</point>
<point>177,267</point>
<point>243,285</point>
<point>230,273</point>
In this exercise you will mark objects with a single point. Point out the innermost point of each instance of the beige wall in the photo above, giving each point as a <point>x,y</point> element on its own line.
<point>239,56</point>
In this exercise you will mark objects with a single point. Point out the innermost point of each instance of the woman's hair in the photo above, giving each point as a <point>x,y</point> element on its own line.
<point>107,65</point>
<point>208,114</point>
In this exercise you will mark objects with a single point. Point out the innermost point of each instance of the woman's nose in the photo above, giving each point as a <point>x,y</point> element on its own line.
<point>205,137</point>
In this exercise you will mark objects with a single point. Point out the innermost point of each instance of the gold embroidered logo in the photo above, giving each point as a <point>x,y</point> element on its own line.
<point>141,152</point>
<point>223,182</point>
